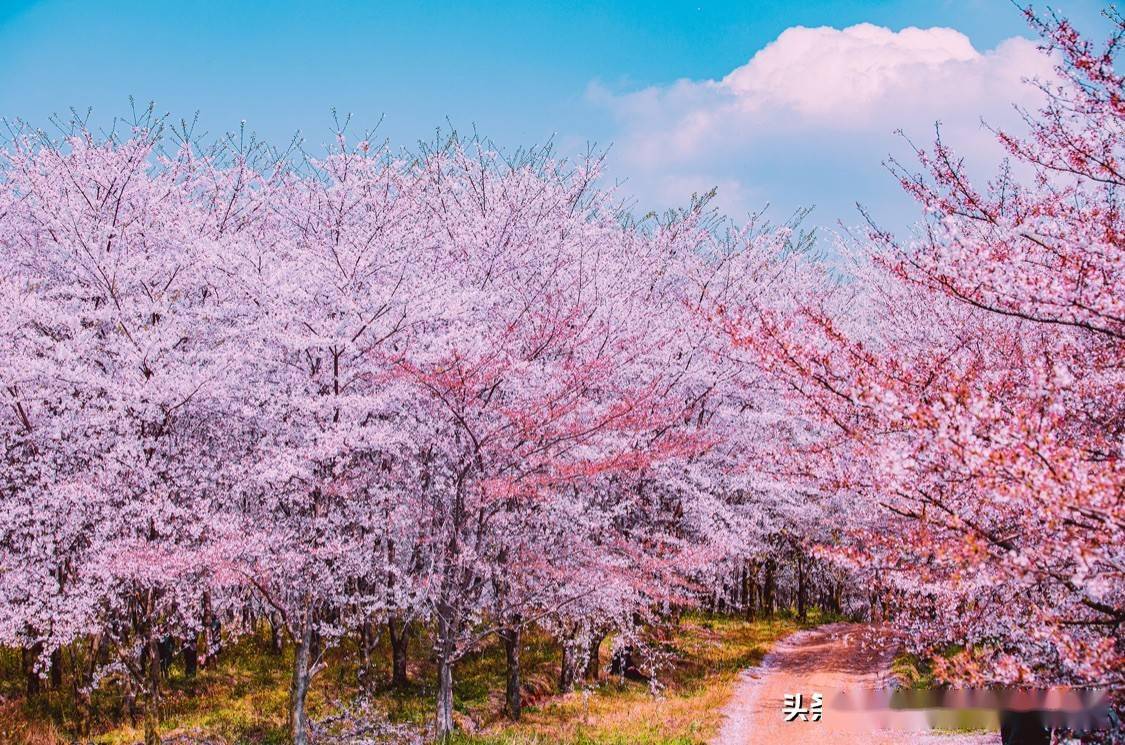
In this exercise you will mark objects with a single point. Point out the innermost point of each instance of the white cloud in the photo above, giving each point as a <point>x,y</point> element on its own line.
<point>816,108</point>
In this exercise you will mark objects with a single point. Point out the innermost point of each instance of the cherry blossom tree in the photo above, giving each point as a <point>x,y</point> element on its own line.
<point>114,351</point>
<point>533,373</point>
<point>964,390</point>
<point>322,281</point>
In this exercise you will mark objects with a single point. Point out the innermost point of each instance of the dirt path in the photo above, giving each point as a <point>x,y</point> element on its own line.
<point>827,660</point>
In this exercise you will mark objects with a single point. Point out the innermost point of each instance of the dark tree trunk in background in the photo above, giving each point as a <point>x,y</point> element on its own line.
<point>275,633</point>
<point>873,602</point>
<point>511,638</point>
<point>191,656</point>
<point>131,706</point>
<point>802,591</point>
<point>751,590</point>
<point>593,658</point>
<point>56,669</point>
<point>166,649</point>
<point>624,664</point>
<point>81,691</point>
<point>317,645</point>
<point>205,660</point>
<point>399,633</point>
<point>768,590</point>
<point>743,587</point>
<point>216,640</point>
<point>212,629</point>
<point>365,643</point>
<point>32,683</point>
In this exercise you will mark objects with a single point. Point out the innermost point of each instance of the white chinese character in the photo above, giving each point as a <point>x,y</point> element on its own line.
<point>793,709</point>
<point>817,706</point>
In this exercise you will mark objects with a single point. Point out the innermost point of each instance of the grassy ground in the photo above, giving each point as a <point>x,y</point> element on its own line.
<point>241,700</point>
<point>912,671</point>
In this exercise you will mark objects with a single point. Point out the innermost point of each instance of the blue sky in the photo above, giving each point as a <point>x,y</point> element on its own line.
<point>522,71</point>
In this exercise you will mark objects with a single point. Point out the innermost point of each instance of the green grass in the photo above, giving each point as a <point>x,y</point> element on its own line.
<point>706,655</point>
<point>242,698</point>
<point>913,671</point>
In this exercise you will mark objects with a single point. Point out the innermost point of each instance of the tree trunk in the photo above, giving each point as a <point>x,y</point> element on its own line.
<point>446,645</point>
<point>131,704</point>
<point>302,661</point>
<point>32,682</point>
<point>208,625</point>
<point>751,590</point>
<point>191,656</point>
<point>365,644</point>
<point>275,633</point>
<point>802,592</point>
<point>152,689</point>
<point>444,718</point>
<point>511,639</point>
<point>215,638</point>
<point>398,631</point>
<point>617,662</point>
<point>625,664</point>
<point>568,667</point>
<point>81,692</point>
<point>744,587</point>
<point>593,658</point>
<point>56,669</point>
<point>316,647</point>
<point>166,647</point>
<point>768,590</point>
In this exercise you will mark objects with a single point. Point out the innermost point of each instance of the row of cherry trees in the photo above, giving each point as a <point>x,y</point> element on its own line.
<point>468,391</point>
<point>358,391</point>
